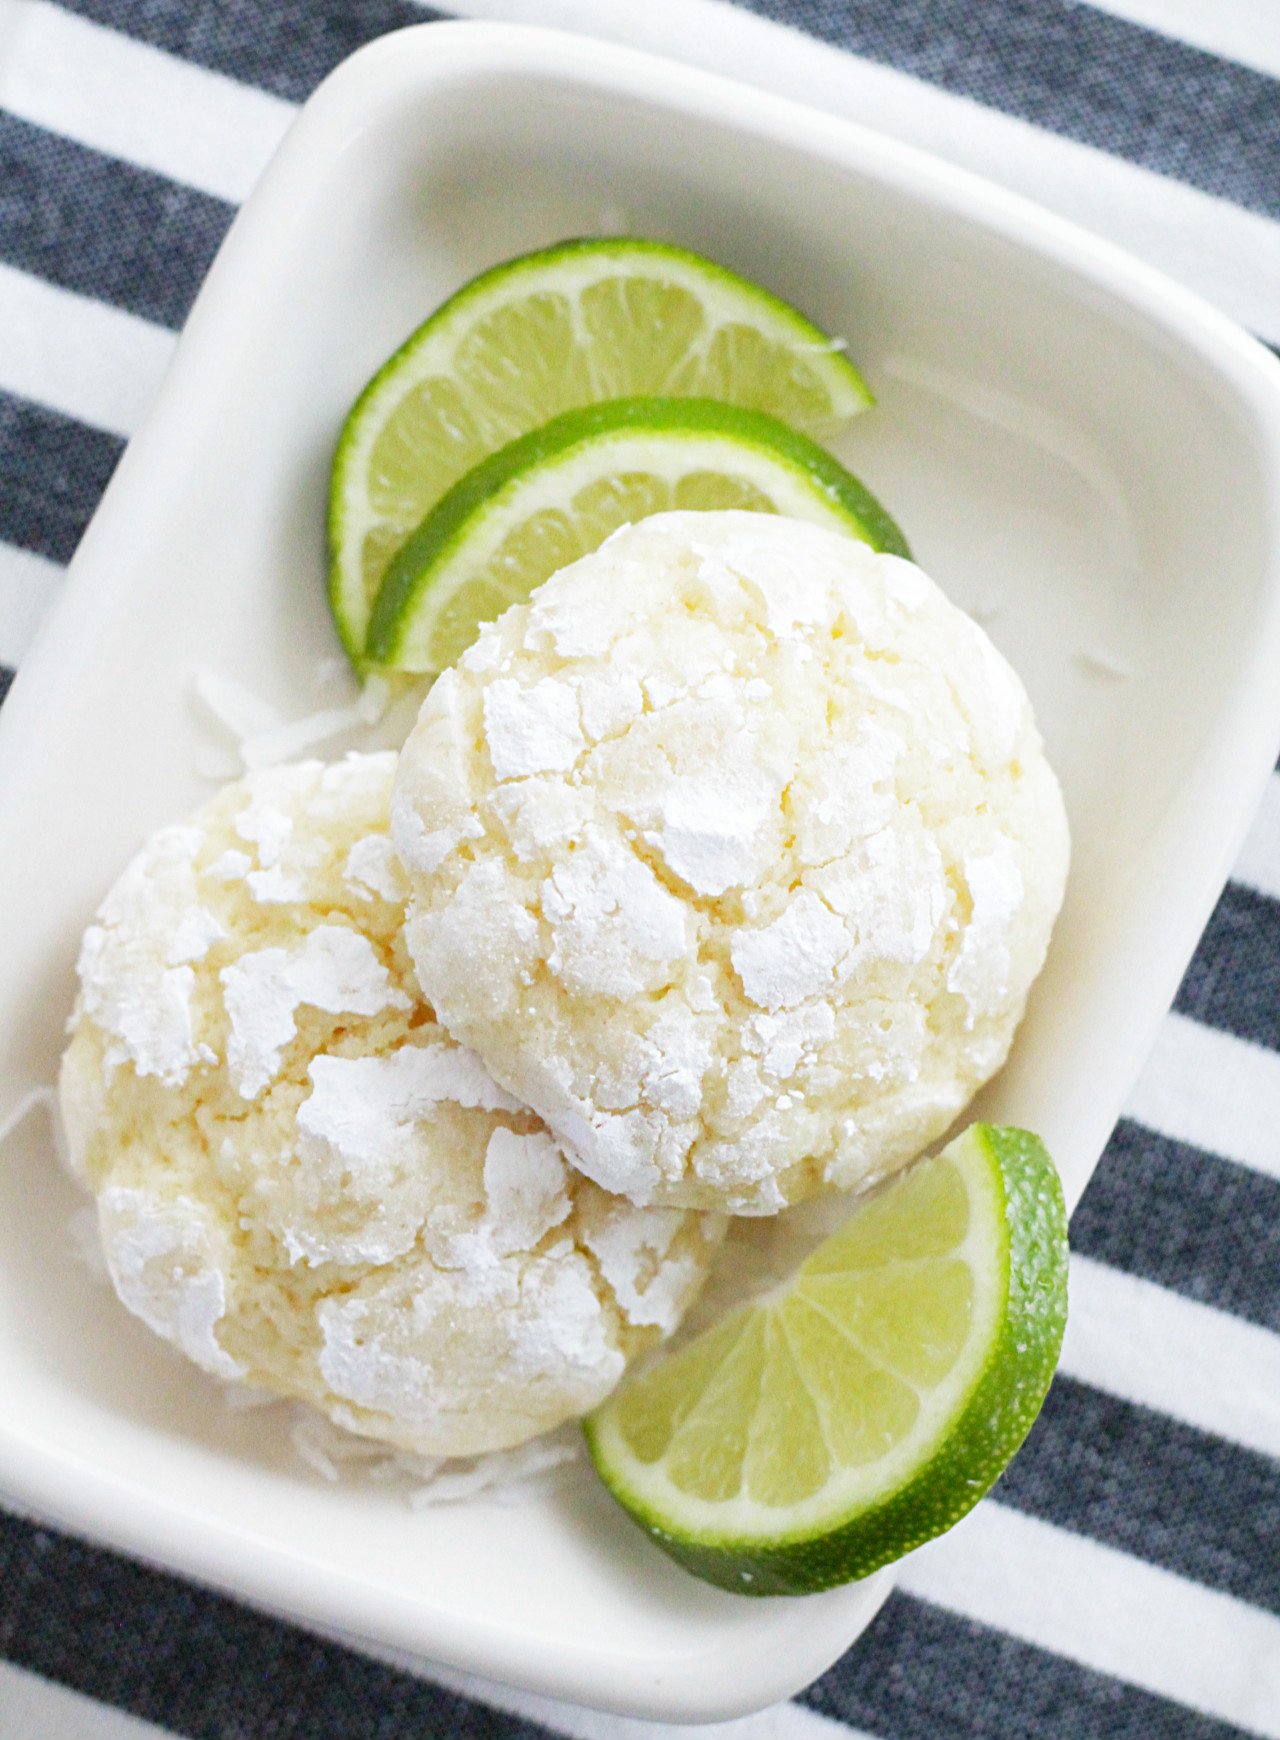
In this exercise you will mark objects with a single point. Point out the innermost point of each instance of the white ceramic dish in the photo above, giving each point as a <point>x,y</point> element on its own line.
<point>1076,448</point>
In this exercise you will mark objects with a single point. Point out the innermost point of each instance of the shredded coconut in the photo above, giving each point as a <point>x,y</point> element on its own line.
<point>262,737</point>
<point>1104,663</point>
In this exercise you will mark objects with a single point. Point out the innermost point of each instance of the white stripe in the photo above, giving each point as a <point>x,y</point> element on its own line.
<point>782,1722</point>
<point>1214,1091</point>
<point>1258,865</point>
<point>131,101</point>
<point>90,361</point>
<point>1229,255</point>
<point>27,585</point>
<point>1148,1345</point>
<point>32,1708</point>
<point>1242,30</point>
<point>1107,1611</point>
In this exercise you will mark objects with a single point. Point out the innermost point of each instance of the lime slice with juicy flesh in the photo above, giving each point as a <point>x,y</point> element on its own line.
<point>567,326</point>
<point>865,1406</point>
<point>557,493</point>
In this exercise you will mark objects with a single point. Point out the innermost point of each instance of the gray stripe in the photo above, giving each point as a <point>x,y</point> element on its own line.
<point>921,1674</point>
<point>1187,1220</point>
<point>7,674</point>
<point>1233,981</point>
<point>1084,74</point>
<point>52,473</point>
<point>101,227</point>
<point>203,1666</point>
<point>1133,1479</point>
<point>284,46</point>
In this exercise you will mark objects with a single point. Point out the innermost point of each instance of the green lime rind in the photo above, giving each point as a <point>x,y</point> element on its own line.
<point>966,1457</point>
<point>846,393</point>
<point>713,435</point>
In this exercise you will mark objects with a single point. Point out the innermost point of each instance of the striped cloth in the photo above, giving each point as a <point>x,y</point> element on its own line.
<point>1124,1580</point>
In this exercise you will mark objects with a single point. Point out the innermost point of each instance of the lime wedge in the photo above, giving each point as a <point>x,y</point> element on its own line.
<point>564,327</point>
<point>556,494</point>
<point>825,1430</point>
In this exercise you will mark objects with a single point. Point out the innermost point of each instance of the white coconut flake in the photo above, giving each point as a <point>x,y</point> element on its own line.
<point>239,711</point>
<point>282,742</point>
<point>1103,663</point>
<point>86,1241</point>
<point>335,969</point>
<point>514,1476</point>
<point>35,1099</point>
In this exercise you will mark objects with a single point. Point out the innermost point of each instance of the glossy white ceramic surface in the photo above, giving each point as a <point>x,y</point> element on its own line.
<point>1080,452</point>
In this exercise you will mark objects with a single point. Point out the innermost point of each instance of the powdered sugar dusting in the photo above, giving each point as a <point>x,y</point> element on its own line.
<point>335,969</point>
<point>535,730</point>
<point>364,1141</point>
<point>633,1249</point>
<point>794,958</point>
<point>525,1181</point>
<point>372,868</point>
<point>980,971</point>
<point>135,968</point>
<point>614,928</point>
<point>162,1262</point>
<point>541,1323</point>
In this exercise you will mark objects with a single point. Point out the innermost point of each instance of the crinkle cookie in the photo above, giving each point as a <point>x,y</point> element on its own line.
<point>734,854</point>
<point>302,1181</point>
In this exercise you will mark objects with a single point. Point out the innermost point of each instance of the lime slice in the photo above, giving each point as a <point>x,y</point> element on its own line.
<point>863,1408</point>
<point>567,326</point>
<point>556,494</point>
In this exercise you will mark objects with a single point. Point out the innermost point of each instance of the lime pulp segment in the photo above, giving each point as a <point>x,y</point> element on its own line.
<point>815,1435</point>
<point>567,326</point>
<point>557,493</point>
